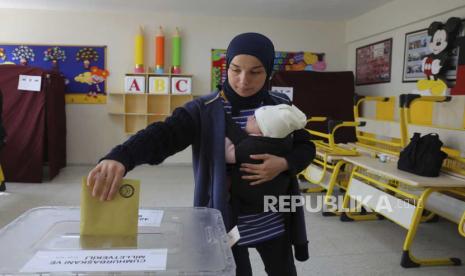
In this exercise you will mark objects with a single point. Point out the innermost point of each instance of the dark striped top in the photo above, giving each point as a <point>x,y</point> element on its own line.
<point>255,228</point>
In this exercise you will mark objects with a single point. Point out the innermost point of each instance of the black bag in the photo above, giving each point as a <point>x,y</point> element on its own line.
<point>423,155</point>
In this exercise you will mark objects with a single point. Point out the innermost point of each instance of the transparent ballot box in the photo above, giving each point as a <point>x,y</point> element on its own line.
<point>170,241</point>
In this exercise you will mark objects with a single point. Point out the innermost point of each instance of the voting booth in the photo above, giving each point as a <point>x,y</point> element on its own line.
<point>170,241</point>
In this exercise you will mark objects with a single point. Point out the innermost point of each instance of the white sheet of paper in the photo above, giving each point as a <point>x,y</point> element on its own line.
<point>97,260</point>
<point>233,236</point>
<point>150,217</point>
<point>29,83</point>
<point>289,91</point>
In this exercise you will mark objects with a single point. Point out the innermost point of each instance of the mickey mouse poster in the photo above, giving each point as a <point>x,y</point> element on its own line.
<point>442,38</point>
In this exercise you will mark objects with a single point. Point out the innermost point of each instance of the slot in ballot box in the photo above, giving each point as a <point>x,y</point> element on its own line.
<point>170,241</point>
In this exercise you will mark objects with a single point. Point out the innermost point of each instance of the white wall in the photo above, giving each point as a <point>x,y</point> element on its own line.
<point>395,19</point>
<point>91,131</point>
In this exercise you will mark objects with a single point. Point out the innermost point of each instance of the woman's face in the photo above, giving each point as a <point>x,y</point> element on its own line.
<point>246,75</point>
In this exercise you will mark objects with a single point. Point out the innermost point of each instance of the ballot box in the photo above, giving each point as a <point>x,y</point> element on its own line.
<point>170,241</point>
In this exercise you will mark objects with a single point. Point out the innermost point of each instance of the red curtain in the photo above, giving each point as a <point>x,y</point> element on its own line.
<point>35,125</point>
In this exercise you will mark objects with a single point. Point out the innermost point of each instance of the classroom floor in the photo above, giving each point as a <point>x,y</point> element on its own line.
<point>336,248</point>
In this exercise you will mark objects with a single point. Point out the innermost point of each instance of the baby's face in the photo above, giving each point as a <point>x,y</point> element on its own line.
<point>252,126</point>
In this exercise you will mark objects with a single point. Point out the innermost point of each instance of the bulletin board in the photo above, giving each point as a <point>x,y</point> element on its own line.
<point>284,61</point>
<point>373,63</point>
<point>84,67</point>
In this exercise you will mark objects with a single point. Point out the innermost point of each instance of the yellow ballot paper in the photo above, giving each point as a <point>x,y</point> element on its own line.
<point>117,217</point>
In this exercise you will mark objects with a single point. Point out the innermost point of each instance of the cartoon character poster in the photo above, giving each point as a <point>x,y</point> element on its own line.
<point>284,61</point>
<point>82,66</point>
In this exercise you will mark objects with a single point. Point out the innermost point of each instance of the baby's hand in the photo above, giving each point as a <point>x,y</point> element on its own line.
<point>229,151</point>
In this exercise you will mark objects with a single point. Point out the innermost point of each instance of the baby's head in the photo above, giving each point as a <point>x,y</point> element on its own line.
<point>251,127</point>
<point>276,121</point>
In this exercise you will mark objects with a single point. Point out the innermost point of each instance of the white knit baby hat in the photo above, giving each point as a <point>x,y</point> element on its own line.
<point>278,121</point>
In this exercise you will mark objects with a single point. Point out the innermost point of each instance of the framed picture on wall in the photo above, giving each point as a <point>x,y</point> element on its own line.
<point>416,48</point>
<point>373,63</point>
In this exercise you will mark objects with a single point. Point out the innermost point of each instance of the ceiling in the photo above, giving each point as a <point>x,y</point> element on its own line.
<point>319,10</point>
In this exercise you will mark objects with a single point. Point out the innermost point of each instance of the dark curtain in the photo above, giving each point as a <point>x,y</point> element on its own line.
<point>55,123</point>
<point>328,94</point>
<point>35,124</point>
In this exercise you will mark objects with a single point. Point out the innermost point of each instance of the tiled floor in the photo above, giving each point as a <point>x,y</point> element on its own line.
<point>336,248</point>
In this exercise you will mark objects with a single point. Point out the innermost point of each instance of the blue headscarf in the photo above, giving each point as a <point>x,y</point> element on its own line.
<point>262,48</point>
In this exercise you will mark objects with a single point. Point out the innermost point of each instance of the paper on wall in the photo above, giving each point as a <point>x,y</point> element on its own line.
<point>29,83</point>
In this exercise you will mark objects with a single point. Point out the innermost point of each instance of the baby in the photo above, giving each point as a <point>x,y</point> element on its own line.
<point>268,131</point>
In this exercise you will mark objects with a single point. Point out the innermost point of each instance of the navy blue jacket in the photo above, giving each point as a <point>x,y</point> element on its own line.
<point>201,123</point>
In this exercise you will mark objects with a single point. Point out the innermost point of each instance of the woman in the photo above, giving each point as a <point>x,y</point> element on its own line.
<point>201,123</point>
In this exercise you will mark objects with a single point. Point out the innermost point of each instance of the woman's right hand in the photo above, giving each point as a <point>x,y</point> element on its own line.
<point>105,179</point>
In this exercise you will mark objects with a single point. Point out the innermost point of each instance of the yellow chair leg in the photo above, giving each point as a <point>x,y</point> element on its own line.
<point>330,190</point>
<point>314,190</point>
<point>462,225</point>
<point>332,181</point>
<point>2,180</point>
<point>431,217</point>
<point>408,260</point>
<point>349,216</point>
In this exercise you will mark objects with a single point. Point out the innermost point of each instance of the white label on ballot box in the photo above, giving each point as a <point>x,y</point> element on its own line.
<point>150,217</point>
<point>29,83</point>
<point>97,260</point>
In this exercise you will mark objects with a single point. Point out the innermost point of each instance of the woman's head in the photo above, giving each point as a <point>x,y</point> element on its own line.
<point>249,59</point>
<point>246,75</point>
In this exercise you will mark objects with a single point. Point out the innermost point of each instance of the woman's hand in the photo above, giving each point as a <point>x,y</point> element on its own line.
<point>258,173</point>
<point>105,179</point>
